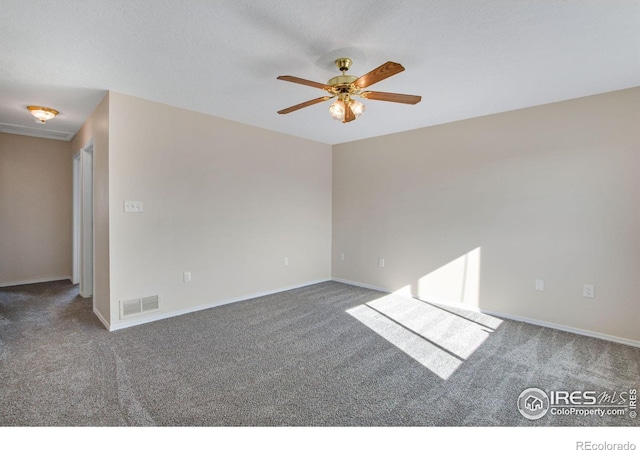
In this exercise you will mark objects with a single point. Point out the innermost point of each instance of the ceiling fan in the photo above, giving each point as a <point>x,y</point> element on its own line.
<point>346,87</point>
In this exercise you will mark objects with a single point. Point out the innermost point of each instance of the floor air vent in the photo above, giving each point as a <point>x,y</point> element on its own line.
<point>137,306</point>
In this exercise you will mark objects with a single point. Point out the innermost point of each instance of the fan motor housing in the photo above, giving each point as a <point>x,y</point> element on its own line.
<point>342,83</point>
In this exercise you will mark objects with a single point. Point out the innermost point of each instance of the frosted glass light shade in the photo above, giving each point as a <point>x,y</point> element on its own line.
<point>357,108</point>
<point>337,110</point>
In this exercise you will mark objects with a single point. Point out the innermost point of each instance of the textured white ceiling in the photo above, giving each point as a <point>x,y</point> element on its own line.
<point>466,58</point>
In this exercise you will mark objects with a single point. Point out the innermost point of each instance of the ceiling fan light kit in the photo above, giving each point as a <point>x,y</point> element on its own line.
<point>346,87</point>
<point>338,109</point>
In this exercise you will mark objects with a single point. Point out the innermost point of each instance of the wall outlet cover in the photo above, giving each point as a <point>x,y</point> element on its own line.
<point>133,206</point>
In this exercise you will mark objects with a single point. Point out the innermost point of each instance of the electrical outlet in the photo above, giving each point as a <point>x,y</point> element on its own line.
<point>588,290</point>
<point>186,277</point>
<point>133,206</point>
<point>381,262</point>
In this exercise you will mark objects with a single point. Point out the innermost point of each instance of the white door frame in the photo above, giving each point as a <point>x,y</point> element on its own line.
<point>77,223</point>
<point>83,233</point>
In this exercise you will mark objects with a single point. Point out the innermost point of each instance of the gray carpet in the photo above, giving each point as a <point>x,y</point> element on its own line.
<point>324,355</point>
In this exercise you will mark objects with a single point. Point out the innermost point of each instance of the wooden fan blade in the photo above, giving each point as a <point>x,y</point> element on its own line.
<point>348,114</point>
<point>378,74</point>
<point>303,81</point>
<point>391,97</point>
<point>303,105</point>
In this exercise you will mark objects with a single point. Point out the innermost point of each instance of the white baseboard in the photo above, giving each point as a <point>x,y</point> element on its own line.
<point>541,323</point>
<point>560,327</point>
<point>363,285</point>
<point>37,280</point>
<point>152,318</point>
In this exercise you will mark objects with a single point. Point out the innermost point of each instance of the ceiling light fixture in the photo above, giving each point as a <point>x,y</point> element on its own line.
<point>42,114</point>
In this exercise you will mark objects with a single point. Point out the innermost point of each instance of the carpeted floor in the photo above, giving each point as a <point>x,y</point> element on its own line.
<point>325,355</point>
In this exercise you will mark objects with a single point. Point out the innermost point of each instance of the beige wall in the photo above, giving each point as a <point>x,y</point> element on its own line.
<point>96,130</point>
<point>225,201</point>
<point>473,212</point>
<point>35,209</point>
<point>470,212</point>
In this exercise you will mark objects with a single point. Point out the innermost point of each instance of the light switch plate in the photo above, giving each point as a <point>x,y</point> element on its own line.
<point>539,285</point>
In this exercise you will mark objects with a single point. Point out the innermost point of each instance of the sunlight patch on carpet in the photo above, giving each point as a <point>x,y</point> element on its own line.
<point>439,339</point>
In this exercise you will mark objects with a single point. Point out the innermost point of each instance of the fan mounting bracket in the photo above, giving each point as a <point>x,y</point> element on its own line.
<point>343,64</point>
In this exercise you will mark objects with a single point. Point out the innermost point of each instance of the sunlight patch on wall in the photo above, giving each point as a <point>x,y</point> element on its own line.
<point>457,281</point>
<point>439,339</point>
